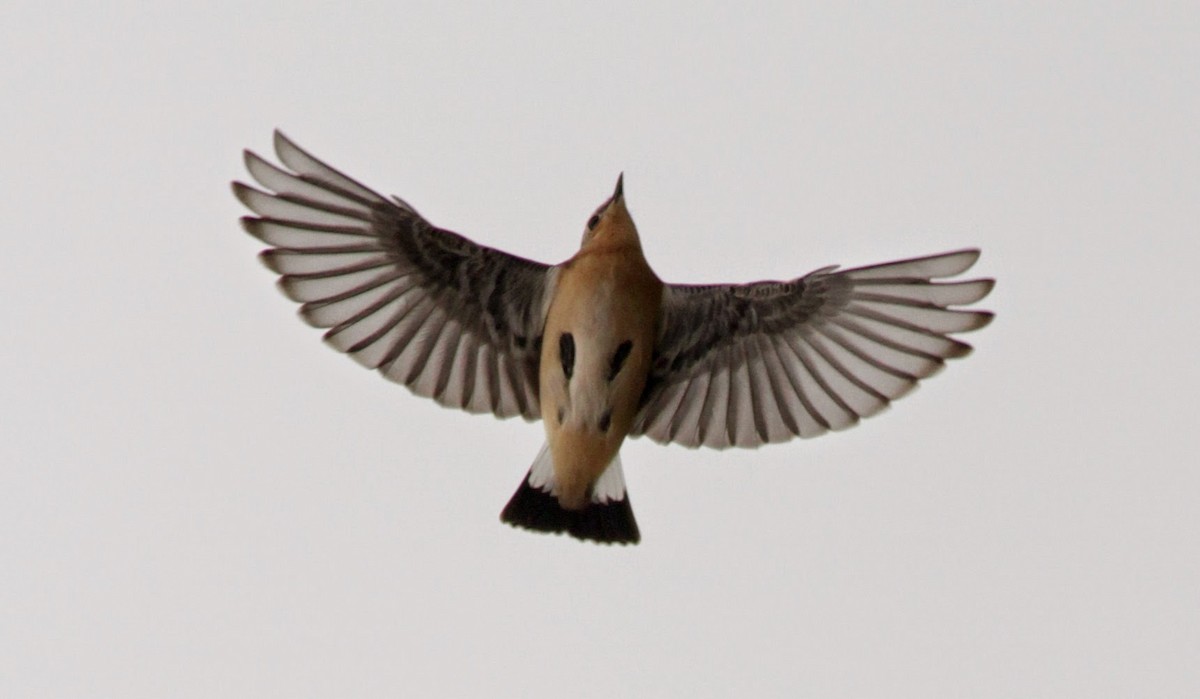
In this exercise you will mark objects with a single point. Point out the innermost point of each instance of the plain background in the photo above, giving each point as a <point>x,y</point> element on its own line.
<point>198,499</point>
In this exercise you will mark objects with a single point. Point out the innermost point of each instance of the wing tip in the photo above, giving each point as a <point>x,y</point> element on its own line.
<point>973,291</point>
<point>281,142</point>
<point>269,259</point>
<point>961,261</point>
<point>957,349</point>
<point>252,226</point>
<point>285,284</point>
<point>969,255</point>
<point>239,189</point>
<point>982,320</point>
<point>250,159</point>
<point>249,196</point>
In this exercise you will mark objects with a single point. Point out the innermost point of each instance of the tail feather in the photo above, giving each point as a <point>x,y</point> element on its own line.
<point>607,518</point>
<point>611,522</point>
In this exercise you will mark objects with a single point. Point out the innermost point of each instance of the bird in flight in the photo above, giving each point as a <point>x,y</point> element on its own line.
<point>597,347</point>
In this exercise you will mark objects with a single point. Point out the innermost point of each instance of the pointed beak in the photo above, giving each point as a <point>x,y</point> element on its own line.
<point>620,190</point>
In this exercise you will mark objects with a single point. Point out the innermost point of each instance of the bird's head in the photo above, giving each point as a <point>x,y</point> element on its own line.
<point>611,223</point>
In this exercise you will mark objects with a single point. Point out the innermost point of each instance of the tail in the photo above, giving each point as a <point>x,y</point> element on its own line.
<point>607,518</point>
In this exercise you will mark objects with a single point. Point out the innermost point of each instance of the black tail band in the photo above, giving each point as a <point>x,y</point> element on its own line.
<point>608,523</point>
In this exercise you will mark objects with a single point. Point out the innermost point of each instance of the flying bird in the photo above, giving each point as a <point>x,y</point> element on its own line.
<point>597,347</point>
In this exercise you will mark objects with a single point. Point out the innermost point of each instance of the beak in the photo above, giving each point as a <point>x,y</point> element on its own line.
<point>620,190</point>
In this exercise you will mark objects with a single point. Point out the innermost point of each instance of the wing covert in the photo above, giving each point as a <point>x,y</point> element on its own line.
<point>450,319</point>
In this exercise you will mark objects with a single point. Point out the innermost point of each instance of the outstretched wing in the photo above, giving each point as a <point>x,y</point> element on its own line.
<point>745,365</point>
<point>452,320</point>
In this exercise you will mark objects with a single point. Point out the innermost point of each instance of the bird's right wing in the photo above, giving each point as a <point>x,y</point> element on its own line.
<point>450,319</point>
<point>748,364</point>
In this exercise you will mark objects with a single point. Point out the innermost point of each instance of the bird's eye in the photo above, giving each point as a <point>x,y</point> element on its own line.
<point>593,221</point>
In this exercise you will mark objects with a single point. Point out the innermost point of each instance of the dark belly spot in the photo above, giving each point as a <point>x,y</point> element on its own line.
<point>566,354</point>
<point>619,358</point>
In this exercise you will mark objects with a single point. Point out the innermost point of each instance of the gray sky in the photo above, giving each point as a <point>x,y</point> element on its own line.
<point>199,499</point>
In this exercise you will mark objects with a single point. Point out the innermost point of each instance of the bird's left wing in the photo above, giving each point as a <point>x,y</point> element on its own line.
<point>745,365</point>
<point>451,320</point>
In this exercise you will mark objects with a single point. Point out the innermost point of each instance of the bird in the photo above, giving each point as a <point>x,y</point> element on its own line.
<point>597,347</point>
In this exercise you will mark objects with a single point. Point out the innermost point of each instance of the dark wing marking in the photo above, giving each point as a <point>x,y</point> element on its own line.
<point>745,365</point>
<point>450,319</point>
